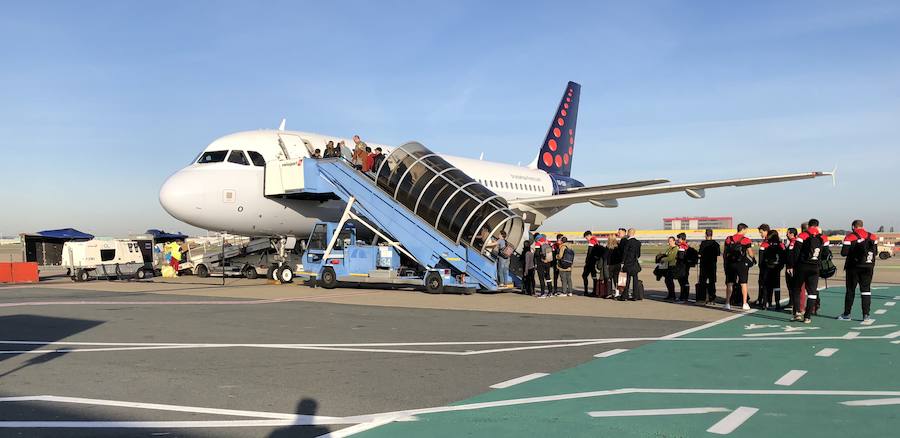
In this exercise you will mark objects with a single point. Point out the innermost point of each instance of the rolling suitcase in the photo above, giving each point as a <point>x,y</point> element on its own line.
<point>700,293</point>
<point>601,288</point>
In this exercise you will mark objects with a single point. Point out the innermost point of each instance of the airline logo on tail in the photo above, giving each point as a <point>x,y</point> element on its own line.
<point>556,152</point>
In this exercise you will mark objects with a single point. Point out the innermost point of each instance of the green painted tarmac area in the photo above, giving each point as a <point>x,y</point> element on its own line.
<point>726,366</point>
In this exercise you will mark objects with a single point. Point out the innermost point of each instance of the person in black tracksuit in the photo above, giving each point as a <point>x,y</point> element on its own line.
<point>709,256</point>
<point>761,281</point>
<point>860,249</point>
<point>793,292</point>
<point>772,254</point>
<point>615,262</point>
<point>810,247</point>
<point>631,265</point>
<point>682,268</point>
<point>590,262</point>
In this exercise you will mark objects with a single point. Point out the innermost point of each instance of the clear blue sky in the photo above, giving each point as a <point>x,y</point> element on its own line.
<point>101,101</point>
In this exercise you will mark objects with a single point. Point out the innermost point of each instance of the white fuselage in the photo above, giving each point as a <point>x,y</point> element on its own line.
<point>222,195</point>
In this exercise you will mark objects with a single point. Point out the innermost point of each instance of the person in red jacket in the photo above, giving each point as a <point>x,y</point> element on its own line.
<point>810,247</point>
<point>860,249</point>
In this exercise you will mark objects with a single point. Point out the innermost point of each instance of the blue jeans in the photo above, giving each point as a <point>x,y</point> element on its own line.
<point>502,271</point>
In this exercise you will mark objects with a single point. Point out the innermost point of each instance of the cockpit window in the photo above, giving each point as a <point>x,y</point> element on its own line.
<point>212,157</point>
<point>257,158</point>
<point>238,157</point>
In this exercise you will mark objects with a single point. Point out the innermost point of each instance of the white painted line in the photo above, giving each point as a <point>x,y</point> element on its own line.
<point>874,402</point>
<point>165,407</point>
<point>146,424</point>
<point>756,335</point>
<point>790,378</point>
<point>353,430</point>
<point>826,352</point>
<point>868,322</point>
<point>609,353</point>
<point>890,303</point>
<point>851,335</point>
<point>895,342</point>
<point>881,311</point>
<point>869,327</point>
<point>732,421</point>
<point>707,325</point>
<point>893,335</point>
<point>647,412</point>
<point>896,298</point>
<point>518,380</point>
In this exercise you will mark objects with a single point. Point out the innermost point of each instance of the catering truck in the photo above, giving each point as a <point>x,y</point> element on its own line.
<point>106,258</point>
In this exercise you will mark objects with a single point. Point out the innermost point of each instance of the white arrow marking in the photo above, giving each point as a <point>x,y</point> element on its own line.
<point>773,334</point>
<point>893,335</point>
<point>732,421</point>
<point>881,311</point>
<point>890,303</point>
<point>757,326</point>
<point>798,329</point>
<point>647,412</point>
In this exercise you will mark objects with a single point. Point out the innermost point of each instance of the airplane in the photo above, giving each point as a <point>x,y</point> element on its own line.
<point>223,188</point>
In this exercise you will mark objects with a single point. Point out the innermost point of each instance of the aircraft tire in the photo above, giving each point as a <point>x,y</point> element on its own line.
<point>285,274</point>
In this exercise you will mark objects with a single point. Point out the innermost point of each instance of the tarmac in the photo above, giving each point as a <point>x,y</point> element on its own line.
<point>189,357</point>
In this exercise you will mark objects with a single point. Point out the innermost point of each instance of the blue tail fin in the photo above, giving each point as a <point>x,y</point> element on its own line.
<point>559,145</point>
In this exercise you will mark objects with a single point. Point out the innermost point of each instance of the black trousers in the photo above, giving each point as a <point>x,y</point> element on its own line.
<point>707,280</point>
<point>861,277</point>
<point>761,285</point>
<point>630,284</point>
<point>543,274</point>
<point>793,291</point>
<point>808,275</point>
<point>772,284</point>
<point>685,285</point>
<point>669,280</point>
<point>590,269</point>
<point>528,282</point>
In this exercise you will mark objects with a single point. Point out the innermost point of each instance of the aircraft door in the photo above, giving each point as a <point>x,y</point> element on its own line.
<point>293,146</point>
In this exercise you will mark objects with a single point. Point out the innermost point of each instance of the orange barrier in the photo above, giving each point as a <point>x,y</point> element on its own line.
<point>19,272</point>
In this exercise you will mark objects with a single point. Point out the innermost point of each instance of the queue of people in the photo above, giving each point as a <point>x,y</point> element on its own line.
<point>361,158</point>
<point>611,270</point>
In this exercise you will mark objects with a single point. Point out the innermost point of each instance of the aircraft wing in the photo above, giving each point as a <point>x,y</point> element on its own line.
<point>606,197</point>
<point>626,185</point>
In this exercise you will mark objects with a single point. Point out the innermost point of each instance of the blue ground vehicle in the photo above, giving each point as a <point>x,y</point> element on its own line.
<point>333,257</point>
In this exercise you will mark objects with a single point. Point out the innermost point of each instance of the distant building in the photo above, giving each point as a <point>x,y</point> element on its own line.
<point>698,223</point>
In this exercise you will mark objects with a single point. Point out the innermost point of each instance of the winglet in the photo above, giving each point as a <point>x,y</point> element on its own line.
<point>281,126</point>
<point>834,176</point>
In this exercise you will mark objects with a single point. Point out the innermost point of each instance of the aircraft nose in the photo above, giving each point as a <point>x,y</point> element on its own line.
<point>175,196</point>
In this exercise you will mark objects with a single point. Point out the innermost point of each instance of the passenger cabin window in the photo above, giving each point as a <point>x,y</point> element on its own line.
<point>107,255</point>
<point>212,157</point>
<point>257,158</point>
<point>238,157</point>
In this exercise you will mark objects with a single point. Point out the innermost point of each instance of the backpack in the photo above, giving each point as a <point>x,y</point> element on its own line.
<point>811,250</point>
<point>568,257</point>
<point>734,251</point>
<point>827,269</point>
<point>772,257</point>
<point>507,251</point>
<point>546,253</point>
<point>864,251</point>
<point>691,257</point>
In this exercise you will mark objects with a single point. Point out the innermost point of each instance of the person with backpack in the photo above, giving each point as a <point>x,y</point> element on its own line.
<point>771,255</point>
<point>665,267</point>
<point>527,269</point>
<point>503,252</point>
<point>709,255</point>
<point>763,230</point>
<point>565,258</point>
<point>810,250</point>
<point>590,262</point>
<point>543,255</point>
<point>685,259</point>
<point>737,260</point>
<point>860,249</point>
<point>631,265</point>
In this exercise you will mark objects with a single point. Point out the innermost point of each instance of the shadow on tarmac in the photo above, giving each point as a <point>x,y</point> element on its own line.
<point>37,328</point>
<point>306,406</point>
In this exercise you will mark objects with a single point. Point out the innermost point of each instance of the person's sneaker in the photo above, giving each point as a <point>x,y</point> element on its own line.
<point>866,318</point>
<point>746,306</point>
<point>569,294</point>
<point>843,318</point>
<point>542,296</point>
<point>797,318</point>
<point>727,306</point>
<point>807,321</point>
<point>677,301</point>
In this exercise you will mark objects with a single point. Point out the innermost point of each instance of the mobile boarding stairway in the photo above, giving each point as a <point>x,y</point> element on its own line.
<point>416,201</point>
